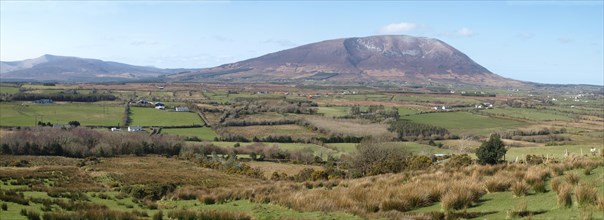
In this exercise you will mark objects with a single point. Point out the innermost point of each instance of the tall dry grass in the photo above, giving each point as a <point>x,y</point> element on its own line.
<point>586,194</point>
<point>564,196</point>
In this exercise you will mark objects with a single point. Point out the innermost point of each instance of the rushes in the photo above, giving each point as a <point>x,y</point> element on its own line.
<point>497,184</point>
<point>572,178</point>
<point>586,194</point>
<point>564,196</point>
<point>520,188</point>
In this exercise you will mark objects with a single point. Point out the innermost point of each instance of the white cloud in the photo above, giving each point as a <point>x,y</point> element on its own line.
<point>465,32</point>
<point>398,28</point>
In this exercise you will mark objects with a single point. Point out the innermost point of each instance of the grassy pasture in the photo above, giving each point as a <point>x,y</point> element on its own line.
<point>223,97</point>
<point>434,99</point>
<point>350,127</point>
<point>262,131</point>
<point>264,116</point>
<point>317,150</point>
<point>204,133</point>
<point>8,90</point>
<point>465,123</point>
<point>334,111</point>
<point>153,117</point>
<point>25,113</point>
<point>532,114</point>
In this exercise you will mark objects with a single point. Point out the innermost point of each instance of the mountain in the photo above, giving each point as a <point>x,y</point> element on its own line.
<point>75,69</point>
<point>383,58</point>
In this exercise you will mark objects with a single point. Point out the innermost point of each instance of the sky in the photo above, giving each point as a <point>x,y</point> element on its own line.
<point>540,41</point>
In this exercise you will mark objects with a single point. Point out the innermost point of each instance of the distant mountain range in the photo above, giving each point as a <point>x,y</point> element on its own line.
<point>75,69</point>
<point>374,59</point>
<point>388,58</point>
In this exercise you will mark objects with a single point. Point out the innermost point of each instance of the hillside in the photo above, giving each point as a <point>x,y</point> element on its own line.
<point>74,69</point>
<point>397,58</point>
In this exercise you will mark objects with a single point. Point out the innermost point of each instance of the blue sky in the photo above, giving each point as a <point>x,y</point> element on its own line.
<point>547,42</point>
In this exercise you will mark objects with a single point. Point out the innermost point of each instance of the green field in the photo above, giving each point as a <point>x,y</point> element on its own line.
<point>432,99</point>
<point>334,111</point>
<point>406,111</point>
<point>8,90</point>
<point>153,117</point>
<point>465,123</point>
<point>317,150</point>
<point>204,133</point>
<point>25,113</point>
<point>532,114</point>
<point>223,97</point>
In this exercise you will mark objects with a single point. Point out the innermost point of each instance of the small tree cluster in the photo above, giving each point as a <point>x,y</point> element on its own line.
<point>491,151</point>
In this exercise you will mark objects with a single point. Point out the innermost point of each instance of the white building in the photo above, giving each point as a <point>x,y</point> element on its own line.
<point>182,109</point>
<point>135,128</point>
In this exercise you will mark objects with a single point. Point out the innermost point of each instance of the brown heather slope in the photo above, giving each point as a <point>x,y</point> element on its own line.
<point>398,58</point>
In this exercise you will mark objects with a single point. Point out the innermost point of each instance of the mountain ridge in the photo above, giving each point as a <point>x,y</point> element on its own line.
<point>66,68</point>
<point>399,58</point>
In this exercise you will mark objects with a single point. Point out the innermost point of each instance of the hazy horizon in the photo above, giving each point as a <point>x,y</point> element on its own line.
<point>545,42</point>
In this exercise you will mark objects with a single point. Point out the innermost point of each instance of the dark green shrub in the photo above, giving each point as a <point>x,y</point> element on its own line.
<point>491,151</point>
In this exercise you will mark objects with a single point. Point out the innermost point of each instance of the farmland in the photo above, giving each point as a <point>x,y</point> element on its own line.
<point>465,123</point>
<point>203,133</point>
<point>25,114</point>
<point>296,152</point>
<point>154,117</point>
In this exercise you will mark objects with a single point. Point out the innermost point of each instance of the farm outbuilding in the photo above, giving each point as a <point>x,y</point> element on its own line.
<point>135,128</point>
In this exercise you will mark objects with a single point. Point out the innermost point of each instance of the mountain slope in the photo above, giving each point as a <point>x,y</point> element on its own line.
<point>375,58</point>
<point>62,68</point>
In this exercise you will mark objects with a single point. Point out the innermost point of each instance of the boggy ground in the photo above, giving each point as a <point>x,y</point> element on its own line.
<point>154,186</point>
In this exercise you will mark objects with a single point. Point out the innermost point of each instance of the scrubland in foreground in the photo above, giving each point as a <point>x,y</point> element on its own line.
<point>142,187</point>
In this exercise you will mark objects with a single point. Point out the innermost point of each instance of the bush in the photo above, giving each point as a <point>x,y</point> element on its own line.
<point>586,194</point>
<point>4,206</point>
<point>459,160</point>
<point>492,151</point>
<point>420,162</point>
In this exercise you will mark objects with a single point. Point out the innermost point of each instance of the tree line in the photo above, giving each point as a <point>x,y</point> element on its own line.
<point>84,142</point>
